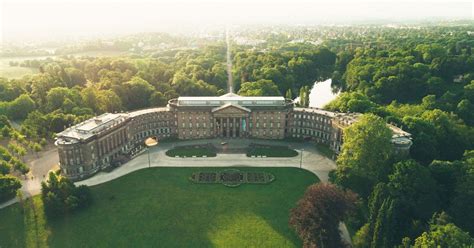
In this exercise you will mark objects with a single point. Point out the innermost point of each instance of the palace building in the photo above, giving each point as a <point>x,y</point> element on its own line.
<point>112,138</point>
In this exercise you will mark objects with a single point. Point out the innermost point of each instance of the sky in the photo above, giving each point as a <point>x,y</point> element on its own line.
<point>57,19</point>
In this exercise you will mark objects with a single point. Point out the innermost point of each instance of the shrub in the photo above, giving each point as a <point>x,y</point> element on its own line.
<point>5,167</point>
<point>60,196</point>
<point>8,187</point>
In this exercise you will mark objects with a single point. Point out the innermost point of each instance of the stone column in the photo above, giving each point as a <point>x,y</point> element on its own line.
<point>239,122</point>
<point>247,126</point>
<point>219,128</point>
<point>241,127</point>
<point>233,127</point>
<point>214,127</point>
<point>227,130</point>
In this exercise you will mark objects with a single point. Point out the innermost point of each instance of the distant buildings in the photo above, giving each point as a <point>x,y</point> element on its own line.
<point>111,139</point>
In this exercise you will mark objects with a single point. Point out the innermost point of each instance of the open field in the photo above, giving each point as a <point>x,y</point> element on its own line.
<point>8,71</point>
<point>161,207</point>
<point>13,72</point>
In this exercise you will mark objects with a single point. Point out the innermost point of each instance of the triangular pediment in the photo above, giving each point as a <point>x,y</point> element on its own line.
<point>230,109</point>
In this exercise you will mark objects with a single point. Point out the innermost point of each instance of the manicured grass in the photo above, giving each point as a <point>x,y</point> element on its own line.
<point>160,207</point>
<point>271,151</point>
<point>189,151</point>
<point>325,150</point>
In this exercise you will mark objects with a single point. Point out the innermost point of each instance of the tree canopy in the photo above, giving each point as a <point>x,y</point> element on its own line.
<point>317,215</point>
<point>366,152</point>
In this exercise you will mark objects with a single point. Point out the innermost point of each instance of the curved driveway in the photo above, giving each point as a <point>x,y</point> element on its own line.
<point>312,160</point>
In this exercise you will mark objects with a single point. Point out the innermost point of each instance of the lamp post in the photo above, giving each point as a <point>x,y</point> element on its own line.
<point>301,157</point>
<point>150,142</point>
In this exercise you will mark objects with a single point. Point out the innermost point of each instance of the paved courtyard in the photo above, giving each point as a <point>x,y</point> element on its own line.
<point>312,160</point>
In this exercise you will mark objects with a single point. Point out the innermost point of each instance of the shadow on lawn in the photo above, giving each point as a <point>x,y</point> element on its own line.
<point>161,207</point>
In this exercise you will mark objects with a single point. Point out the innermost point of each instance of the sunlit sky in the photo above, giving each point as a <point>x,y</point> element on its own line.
<point>51,19</point>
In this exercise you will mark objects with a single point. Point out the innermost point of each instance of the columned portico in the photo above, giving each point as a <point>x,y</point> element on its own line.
<point>230,127</point>
<point>231,121</point>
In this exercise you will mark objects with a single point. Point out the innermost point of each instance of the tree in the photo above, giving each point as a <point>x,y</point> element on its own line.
<point>425,145</point>
<point>304,96</point>
<point>351,102</point>
<point>396,208</point>
<point>157,99</point>
<point>56,97</point>
<point>36,147</point>
<point>137,93</point>
<point>289,94</point>
<point>8,187</point>
<point>365,155</point>
<point>261,87</point>
<point>451,133</point>
<point>4,122</point>
<point>383,229</point>
<point>21,106</point>
<point>74,77</point>
<point>415,190</point>
<point>317,215</point>
<point>89,97</point>
<point>60,196</point>
<point>20,166</point>
<point>380,231</point>
<point>465,110</point>
<point>461,210</point>
<point>109,101</point>
<point>442,233</point>
<point>5,167</point>
<point>446,174</point>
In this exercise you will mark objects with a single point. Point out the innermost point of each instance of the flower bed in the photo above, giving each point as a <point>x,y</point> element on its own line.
<point>232,177</point>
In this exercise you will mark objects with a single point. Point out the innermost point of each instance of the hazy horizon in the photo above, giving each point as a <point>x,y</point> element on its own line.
<point>54,19</point>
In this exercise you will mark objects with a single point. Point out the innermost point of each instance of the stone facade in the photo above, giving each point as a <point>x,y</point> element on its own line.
<point>111,139</point>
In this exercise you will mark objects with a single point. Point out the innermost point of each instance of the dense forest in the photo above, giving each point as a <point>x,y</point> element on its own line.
<point>420,78</point>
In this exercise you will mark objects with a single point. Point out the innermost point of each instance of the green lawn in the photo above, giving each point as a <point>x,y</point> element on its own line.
<point>160,207</point>
<point>271,151</point>
<point>325,150</point>
<point>189,151</point>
